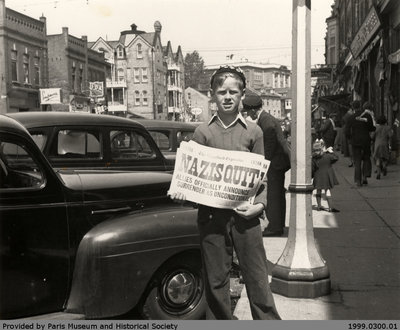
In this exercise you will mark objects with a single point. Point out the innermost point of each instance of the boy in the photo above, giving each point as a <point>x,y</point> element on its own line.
<point>222,230</point>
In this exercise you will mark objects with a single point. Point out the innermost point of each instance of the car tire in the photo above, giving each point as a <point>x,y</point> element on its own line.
<point>177,292</point>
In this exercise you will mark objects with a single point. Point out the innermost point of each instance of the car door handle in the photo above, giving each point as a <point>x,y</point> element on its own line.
<point>108,211</point>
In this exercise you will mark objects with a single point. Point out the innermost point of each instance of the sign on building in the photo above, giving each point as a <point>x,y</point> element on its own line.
<point>50,95</point>
<point>367,30</point>
<point>96,89</point>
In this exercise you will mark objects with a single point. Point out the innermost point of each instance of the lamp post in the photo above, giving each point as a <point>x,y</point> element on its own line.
<point>300,271</point>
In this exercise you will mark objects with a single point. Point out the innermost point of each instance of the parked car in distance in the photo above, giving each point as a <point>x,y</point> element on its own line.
<point>92,244</point>
<point>82,140</point>
<point>169,134</point>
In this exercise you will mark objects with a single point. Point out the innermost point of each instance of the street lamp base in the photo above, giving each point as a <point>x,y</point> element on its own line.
<point>301,289</point>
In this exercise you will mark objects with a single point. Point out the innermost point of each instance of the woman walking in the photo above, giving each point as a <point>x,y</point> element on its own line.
<point>382,137</point>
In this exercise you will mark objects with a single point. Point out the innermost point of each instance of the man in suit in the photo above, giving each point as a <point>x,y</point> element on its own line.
<point>276,151</point>
<point>328,132</point>
<point>358,130</point>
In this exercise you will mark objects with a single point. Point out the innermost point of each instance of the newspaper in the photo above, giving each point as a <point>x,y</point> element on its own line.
<point>215,177</point>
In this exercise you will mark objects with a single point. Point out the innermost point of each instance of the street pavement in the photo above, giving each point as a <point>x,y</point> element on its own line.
<point>361,246</point>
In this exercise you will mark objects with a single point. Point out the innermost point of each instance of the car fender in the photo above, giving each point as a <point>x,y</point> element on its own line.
<point>117,258</point>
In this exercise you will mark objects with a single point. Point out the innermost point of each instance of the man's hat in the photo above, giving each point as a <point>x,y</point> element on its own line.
<point>252,102</point>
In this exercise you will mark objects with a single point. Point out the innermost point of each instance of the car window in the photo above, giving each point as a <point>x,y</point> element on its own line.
<point>40,140</point>
<point>18,169</point>
<point>80,144</point>
<point>161,139</point>
<point>128,144</point>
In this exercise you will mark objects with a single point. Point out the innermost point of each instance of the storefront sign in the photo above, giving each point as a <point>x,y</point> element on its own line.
<point>50,96</point>
<point>96,89</point>
<point>394,58</point>
<point>79,104</point>
<point>365,33</point>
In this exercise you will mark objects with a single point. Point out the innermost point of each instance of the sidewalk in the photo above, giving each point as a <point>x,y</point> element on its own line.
<point>361,246</point>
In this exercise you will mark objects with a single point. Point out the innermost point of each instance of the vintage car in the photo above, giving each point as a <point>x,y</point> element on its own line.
<point>79,141</point>
<point>169,134</point>
<point>92,244</point>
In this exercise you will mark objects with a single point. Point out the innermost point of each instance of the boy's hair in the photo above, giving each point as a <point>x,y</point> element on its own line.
<point>220,75</point>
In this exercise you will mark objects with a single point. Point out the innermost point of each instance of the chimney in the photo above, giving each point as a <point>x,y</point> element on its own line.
<point>133,27</point>
<point>44,21</point>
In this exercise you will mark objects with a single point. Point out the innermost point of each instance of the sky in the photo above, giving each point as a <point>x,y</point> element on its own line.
<point>257,30</point>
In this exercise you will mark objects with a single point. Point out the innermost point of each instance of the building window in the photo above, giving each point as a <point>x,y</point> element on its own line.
<point>120,74</point>
<point>14,72</point>
<point>80,80</point>
<point>37,71</point>
<point>145,100</point>
<point>73,78</point>
<point>171,78</point>
<point>145,77</point>
<point>137,98</point>
<point>136,75</point>
<point>120,52</point>
<point>139,51</point>
<point>25,66</point>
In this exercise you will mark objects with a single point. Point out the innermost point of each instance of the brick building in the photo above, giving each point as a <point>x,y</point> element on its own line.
<point>72,67</point>
<point>23,60</point>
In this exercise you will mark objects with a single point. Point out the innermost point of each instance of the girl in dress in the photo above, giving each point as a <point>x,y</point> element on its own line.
<point>323,173</point>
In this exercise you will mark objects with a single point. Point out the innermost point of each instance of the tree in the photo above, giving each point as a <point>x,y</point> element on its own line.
<point>194,69</point>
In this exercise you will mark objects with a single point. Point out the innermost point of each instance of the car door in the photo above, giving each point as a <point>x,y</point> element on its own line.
<point>34,243</point>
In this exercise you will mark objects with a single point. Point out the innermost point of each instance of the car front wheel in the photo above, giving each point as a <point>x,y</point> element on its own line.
<point>177,291</point>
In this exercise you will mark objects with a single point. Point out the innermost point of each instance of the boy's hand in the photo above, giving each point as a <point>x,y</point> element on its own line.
<point>249,211</point>
<point>178,197</point>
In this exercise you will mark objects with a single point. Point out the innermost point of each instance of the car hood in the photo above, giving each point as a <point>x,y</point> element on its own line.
<point>121,185</point>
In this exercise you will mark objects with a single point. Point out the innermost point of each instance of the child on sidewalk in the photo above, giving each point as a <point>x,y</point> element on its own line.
<point>323,174</point>
<point>381,138</point>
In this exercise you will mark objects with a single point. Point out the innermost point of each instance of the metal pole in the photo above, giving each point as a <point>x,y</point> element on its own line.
<point>300,271</point>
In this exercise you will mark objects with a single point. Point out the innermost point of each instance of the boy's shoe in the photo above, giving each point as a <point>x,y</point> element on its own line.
<point>320,208</point>
<point>378,176</point>
<point>365,181</point>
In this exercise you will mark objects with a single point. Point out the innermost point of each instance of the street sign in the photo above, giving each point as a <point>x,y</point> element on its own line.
<point>96,89</point>
<point>196,111</point>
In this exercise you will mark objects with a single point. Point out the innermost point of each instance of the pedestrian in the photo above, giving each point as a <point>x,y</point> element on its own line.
<point>276,151</point>
<point>328,130</point>
<point>358,130</point>
<point>346,143</point>
<point>324,177</point>
<point>381,138</point>
<point>222,230</point>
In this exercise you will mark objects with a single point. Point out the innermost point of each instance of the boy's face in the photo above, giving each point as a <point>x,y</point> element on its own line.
<point>228,96</point>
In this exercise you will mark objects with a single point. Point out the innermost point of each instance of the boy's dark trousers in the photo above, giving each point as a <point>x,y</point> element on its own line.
<point>221,231</point>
